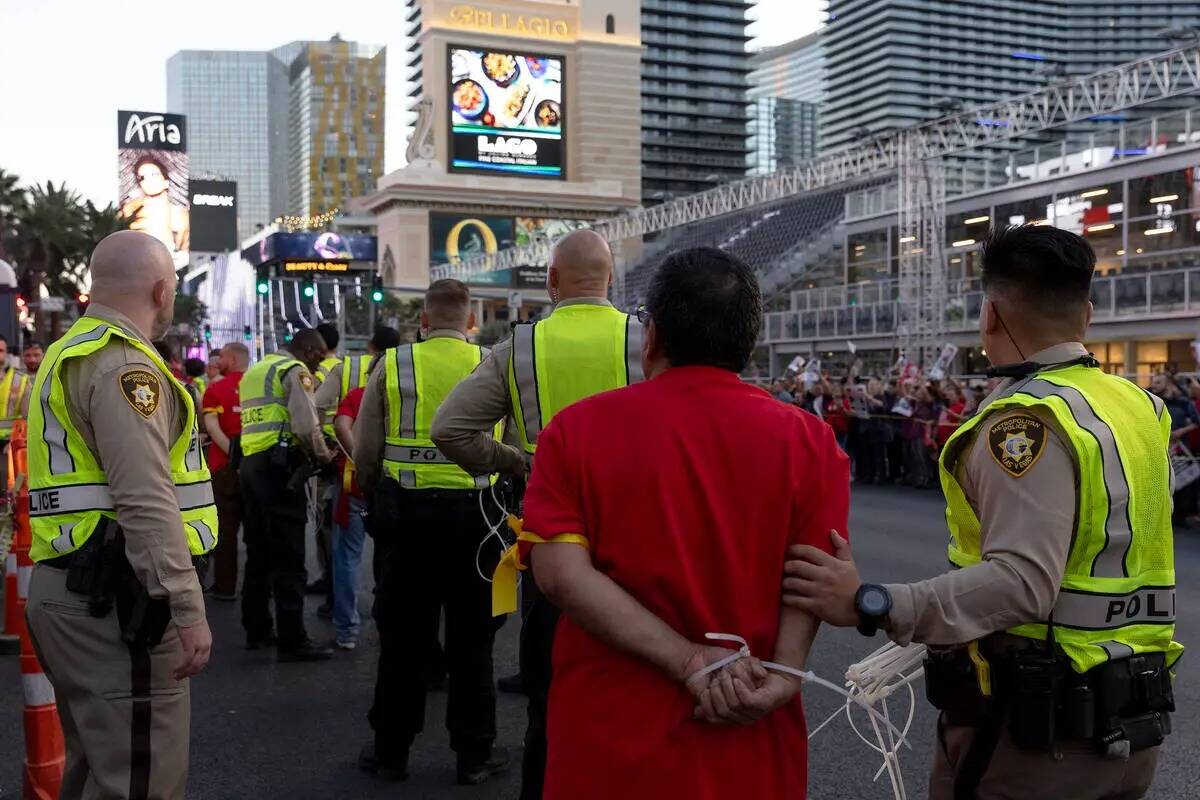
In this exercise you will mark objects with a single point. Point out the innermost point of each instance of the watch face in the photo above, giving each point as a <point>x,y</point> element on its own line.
<point>873,601</point>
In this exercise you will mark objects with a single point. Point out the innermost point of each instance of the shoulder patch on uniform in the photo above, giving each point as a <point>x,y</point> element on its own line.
<point>142,389</point>
<point>1017,442</point>
<point>306,380</point>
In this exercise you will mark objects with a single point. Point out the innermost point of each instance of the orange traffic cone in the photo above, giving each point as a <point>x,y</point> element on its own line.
<point>45,751</point>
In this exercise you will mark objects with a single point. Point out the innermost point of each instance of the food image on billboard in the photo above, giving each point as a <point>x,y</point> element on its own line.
<point>506,113</point>
<point>152,170</point>
<point>453,237</point>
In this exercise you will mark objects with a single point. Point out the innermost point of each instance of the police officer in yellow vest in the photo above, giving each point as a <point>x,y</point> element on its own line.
<point>116,472</point>
<point>430,531</point>
<point>583,348</point>
<point>1051,644</point>
<point>323,523</point>
<point>280,437</point>
<point>14,403</point>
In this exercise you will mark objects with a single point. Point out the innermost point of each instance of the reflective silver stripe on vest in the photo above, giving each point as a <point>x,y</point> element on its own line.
<point>482,481</point>
<point>1149,605</point>
<point>408,479</point>
<point>355,368</point>
<point>525,375</point>
<point>207,540</point>
<point>265,427</point>
<point>1118,528</point>
<point>96,497</point>
<point>192,459</point>
<point>54,434</point>
<point>405,454</point>
<point>63,542</point>
<point>406,378</point>
<point>1116,650</point>
<point>194,495</point>
<point>1157,402</point>
<point>633,351</point>
<point>269,400</point>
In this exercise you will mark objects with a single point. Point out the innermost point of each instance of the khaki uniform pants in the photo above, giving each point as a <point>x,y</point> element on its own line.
<point>118,745</point>
<point>1016,774</point>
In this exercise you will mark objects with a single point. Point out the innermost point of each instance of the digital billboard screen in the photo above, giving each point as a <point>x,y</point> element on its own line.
<point>313,246</point>
<point>213,207</point>
<point>506,113</point>
<point>152,173</point>
<point>453,237</point>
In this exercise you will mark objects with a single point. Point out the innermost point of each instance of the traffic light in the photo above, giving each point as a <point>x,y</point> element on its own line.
<point>310,289</point>
<point>377,289</point>
<point>263,286</point>
<point>246,334</point>
<point>208,334</point>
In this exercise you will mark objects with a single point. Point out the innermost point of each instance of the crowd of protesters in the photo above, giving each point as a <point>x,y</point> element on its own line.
<point>894,428</point>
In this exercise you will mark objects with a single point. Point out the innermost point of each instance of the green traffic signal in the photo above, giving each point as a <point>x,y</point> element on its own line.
<point>377,296</point>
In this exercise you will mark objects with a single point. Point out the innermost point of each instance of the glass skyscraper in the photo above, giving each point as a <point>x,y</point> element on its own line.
<point>694,105</point>
<point>335,124</point>
<point>236,107</point>
<point>895,63</point>
<point>787,87</point>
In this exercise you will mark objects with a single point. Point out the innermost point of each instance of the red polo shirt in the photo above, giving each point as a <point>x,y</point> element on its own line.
<point>221,398</point>
<point>689,488</point>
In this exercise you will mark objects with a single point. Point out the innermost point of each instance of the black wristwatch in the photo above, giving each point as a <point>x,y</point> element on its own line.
<point>873,603</point>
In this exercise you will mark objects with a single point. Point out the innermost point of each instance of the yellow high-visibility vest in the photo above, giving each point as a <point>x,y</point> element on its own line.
<point>68,488</point>
<point>266,420</point>
<point>578,351</point>
<point>12,389</point>
<point>417,378</point>
<point>1117,596</point>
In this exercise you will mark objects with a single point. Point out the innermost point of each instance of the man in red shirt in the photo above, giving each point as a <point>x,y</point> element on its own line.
<point>673,503</point>
<point>349,525</point>
<point>223,422</point>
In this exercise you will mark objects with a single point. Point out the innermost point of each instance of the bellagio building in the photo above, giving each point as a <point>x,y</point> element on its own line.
<point>527,123</point>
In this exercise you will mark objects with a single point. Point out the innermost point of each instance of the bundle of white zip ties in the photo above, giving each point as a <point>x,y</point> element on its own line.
<point>869,684</point>
<point>495,529</point>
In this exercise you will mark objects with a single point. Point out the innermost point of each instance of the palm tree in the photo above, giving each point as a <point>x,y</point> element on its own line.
<point>13,201</point>
<point>53,236</point>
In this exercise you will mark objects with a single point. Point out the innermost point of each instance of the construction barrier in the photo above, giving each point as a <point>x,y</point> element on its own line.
<point>45,752</point>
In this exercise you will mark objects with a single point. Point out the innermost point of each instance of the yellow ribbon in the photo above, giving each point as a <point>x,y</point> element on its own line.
<point>504,579</point>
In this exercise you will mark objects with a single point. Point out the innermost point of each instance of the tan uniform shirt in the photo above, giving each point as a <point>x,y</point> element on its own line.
<point>462,428</point>
<point>329,393</point>
<point>134,449</point>
<point>370,428</point>
<point>1026,525</point>
<point>298,384</point>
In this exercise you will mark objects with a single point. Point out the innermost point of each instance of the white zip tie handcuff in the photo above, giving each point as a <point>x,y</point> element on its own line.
<point>869,683</point>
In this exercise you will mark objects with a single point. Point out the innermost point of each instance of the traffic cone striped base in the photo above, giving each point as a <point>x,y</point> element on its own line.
<point>10,640</point>
<point>45,751</point>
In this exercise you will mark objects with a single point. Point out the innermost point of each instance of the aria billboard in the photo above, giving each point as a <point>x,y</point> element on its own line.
<point>152,169</point>
<point>506,113</point>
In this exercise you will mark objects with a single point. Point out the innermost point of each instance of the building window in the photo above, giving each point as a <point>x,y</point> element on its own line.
<point>610,24</point>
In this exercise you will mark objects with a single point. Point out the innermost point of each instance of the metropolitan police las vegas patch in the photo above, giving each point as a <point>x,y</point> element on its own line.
<point>142,389</point>
<point>1016,443</point>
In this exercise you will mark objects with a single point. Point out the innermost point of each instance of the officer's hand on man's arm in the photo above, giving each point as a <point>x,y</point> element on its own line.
<point>195,646</point>
<point>824,585</point>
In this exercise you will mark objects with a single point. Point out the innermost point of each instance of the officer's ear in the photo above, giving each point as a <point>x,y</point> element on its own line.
<point>471,321</point>
<point>1091,308</point>
<point>425,319</point>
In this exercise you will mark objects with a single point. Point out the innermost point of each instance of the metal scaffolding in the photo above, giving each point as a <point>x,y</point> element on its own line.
<point>1159,77</point>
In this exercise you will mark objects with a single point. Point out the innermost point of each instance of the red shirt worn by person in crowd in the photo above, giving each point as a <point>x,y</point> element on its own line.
<point>689,489</point>
<point>221,398</point>
<point>347,408</point>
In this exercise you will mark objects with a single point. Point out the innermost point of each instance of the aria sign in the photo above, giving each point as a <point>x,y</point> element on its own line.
<point>140,130</point>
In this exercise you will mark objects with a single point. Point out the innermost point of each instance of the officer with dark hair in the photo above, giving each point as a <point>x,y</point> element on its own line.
<point>280,436</point>
<point>1051,644</point>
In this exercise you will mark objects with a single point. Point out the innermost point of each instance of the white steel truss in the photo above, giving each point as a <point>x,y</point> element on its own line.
<point>921,247</point>
<point>1159,77</point>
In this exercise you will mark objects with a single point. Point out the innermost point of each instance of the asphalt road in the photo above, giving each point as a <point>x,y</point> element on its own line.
<point>267,730</point>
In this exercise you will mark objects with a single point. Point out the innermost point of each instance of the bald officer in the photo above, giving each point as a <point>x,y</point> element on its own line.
<point>585,347</point>
<point>108,430</point>
<point>1051,642</point>
<point>280,432</point>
